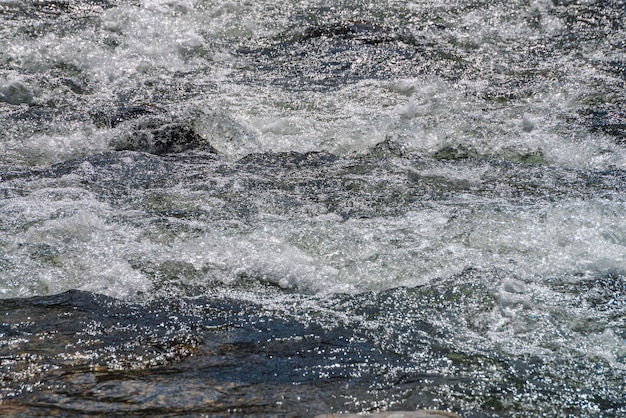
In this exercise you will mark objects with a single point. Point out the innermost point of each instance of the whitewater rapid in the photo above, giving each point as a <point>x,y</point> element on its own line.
<point>431,192</point>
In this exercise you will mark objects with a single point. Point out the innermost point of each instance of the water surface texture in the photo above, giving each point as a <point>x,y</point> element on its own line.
<point>295,207</point>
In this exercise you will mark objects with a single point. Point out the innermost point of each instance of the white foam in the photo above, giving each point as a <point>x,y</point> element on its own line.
<point>61,239</point>
<point>564,240</point>
<point>184,56</point>
<point>160,40</point>
<point>66,238</point>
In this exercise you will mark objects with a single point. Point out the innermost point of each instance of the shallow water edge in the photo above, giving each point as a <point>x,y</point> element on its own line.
<point>236,353</point>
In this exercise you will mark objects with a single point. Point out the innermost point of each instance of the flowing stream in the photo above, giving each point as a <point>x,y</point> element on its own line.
<point>293,207</point>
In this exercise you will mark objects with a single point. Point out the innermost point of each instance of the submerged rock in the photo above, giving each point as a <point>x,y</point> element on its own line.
<point>609,119</point>
<point>105,119</point>
<point>16,94</point>
<point>326,53</point>
<point>360,31</point>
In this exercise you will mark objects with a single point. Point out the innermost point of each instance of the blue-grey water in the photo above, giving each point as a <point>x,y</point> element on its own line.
<point>289,208</point>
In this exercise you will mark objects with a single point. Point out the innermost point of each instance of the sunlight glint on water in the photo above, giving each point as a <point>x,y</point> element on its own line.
<point>425,201</point>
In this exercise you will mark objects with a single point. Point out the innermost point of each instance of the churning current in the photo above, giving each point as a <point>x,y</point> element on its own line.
<point>291,208</point>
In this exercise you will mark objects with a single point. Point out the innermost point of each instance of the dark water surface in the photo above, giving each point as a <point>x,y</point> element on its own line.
<point>220,354</point>
<point>294,208</point>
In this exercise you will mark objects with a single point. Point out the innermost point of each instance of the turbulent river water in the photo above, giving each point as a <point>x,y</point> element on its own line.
<point>293,207</point>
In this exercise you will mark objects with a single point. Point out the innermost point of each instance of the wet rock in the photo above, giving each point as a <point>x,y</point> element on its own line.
<point>169,138</point>
<point>152,129</point>
<point>104,119</point>
<point>10,408</point>
<point>89,354</point>
<point>386,149</point>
